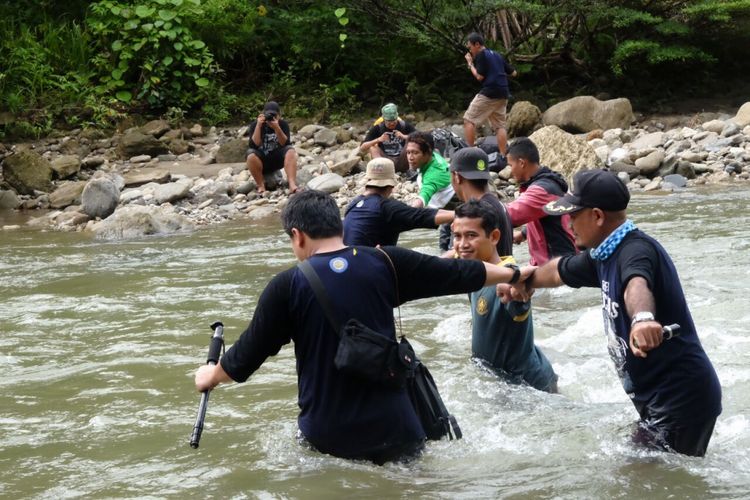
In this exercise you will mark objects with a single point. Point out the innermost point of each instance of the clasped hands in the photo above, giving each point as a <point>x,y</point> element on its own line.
<point>520,291</point>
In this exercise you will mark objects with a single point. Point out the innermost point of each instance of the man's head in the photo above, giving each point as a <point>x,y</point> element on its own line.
<point>596,205</point>
<point>474,43</point>
<point>381,172</point>
<point>272,110</point>
<point>475,231</point>
<point>389,112</point>
<point>419,148</point>
<point>312,215</point>
<point>523,159</point>
<point>470,169</point>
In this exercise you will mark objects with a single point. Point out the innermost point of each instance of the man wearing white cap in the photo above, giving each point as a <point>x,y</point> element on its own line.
<point>374,218</point>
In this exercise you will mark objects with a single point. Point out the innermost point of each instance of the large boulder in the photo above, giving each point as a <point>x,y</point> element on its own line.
<point>27,171</point>
<point>522,119</point>
<point>67,194</point>
<point>232,151</point>
<point>587,113</point>
<point>742,118</point>
<point>173,191</point>
<point>157,128</point>
<point>564,152</point>
<point>66,166</point>
<point>330,183</point>
<point>141,177</point>
<point>100,197</point>
<point>8,199</point>
<point>136,143</point>
<point>136,221</point>
<point>326,137</point>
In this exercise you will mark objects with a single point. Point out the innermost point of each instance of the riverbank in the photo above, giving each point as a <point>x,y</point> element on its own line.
<point>156,179</point>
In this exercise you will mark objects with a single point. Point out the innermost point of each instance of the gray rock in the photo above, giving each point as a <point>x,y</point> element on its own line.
<point>67,194</point>
<point>653,185</point>
<point>668,165</point>
<point>564,152</point>
<point>650,163</point>
<point>624,177</point>
<point>715,126</point>
<point>140,159</point>
<point>344,167</point>
<point>730,129</point>
<point>93,162</point>
<point>26,172</point>
<point>261,212</point>
<point>100,197</point>
<point>694,156</point>
<point>134,221</point>
<point>135,143</point>
<point>173,191</point>
<point>141,177</point>
<point>648,141</point>
<point>325,137</point>
<point>8,200</point>
<point>169,157</point>
<point>626,168</point>
<point>179,146</point>
<point>66,166</point>
<point>523,119</point>
<point>308,131</point>
<point>196,130</point>
<point>232,151</point>
<point>685,169</point>
<point>742,118</point>
<point>330,183</point>
<point>156,128</point>
<point>586,113</point>
<point>676,180</point>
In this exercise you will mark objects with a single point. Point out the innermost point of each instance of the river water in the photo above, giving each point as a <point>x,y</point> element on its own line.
<point>100,341</point>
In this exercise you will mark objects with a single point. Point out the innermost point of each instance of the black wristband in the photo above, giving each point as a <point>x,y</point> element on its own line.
<point>516,273</point>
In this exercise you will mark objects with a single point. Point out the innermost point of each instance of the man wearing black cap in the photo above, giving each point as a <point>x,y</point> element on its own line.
<point>470,177</point>
<point>271,148</point>
<point>671,383</point>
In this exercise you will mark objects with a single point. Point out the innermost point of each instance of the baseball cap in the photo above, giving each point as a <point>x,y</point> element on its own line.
<point>389,111</point>
<point>592,189</point>
<point>380,173</point>
<point>272,106</point>
<point>471,163</point>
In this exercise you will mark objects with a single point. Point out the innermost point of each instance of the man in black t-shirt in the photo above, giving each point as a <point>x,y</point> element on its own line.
<point>374,218</point>
<point>341,415</point>
<point>671,383</point>
<point>387,137</point>
<point>271,148</point>
<point>492,70</point>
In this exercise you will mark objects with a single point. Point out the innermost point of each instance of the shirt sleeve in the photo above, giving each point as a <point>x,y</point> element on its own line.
<point>285,128</point>
<point>528,206</point>
<point>402,217</point>
<point>372,134</point>
<point>480,64</point>
<point>408,128</point>
<point>251,131</point>
<point>430,185</point>
<point>578,270</point>
<point>270,329</point>
<point>638,258</point>
<point>420,275</point>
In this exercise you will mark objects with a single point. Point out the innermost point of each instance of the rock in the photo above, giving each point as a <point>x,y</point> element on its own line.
<point>668,165</point>
<point>618,154</point>
<point>648,141</point>
<point>676,180</point>
<point>586,113</point>
<point>100,197</point>
<point>650,163</point>
<point>564,152</point>
<point>69,219</point>
<point>624,177</point>
<point>730,129</point>
<point>522,119</point>
<point>694,156</point>
<point>232,151</point>
<point>8,200</point>
<point>157,128</point>
<point>173,191</point>
<point>144,176</point>
<point>141,159</point>
<point>66,166</point>
<point>742,118</point>
<point>196,130</point>
<point>343,135</point>
<point>179,146</point>
<point>602,152</point>
<point>715,126</point>
<point>595,134</point>
<point>261,212</point>
<point>135,143</point>
<point>27,172</point>
<point>67,194</point>
<point>93,162</point>
<point>653,185</point>
<point>626,168</point>
<point>344,167</point>
<point>135,221</point>
<point>210,189</point>
<point>325,137</point>
<point>330,183</point>
<point>308,131</point>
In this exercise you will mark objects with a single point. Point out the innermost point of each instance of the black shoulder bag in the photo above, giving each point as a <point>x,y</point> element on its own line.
<point>365,353</point>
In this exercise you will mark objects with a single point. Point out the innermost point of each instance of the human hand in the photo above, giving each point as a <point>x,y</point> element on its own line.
<point>400,135</point>
<point>261,119</point>
<point>204,378</point>
<point>384,137</point>
<point>645,336</point>
<point>417,203</point>
<point>468,58</point>
<point>518,237</point>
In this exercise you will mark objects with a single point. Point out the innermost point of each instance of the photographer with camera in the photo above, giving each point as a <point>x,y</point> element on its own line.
<point>271,148</point>
<point>387,137</point>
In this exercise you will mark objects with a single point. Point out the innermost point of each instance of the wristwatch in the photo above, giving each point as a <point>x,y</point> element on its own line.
<point>516,272</point>
<point>642,316</point>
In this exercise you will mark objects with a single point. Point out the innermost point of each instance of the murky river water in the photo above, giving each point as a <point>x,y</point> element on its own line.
<point>99,342</point>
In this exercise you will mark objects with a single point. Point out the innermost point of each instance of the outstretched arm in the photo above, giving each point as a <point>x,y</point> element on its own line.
<point>646,335</point>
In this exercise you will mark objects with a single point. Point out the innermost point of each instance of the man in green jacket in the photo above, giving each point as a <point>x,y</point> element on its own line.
<point>434,178</point>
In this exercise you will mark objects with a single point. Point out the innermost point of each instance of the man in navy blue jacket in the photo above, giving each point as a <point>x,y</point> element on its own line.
<point>672,383</point>
<point>341,415</point>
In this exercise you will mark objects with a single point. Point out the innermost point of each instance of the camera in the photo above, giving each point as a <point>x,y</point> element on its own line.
<point>270,116</point>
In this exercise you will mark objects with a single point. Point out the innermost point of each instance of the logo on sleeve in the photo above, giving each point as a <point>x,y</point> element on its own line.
<point>482,306</point>
<point>338,264</point>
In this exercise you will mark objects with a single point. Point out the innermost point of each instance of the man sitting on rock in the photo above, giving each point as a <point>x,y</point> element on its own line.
<point>387,137</point>
<point>271,148</point>
<point>374,218</point>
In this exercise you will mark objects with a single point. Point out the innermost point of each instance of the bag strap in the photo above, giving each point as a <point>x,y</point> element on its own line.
<point>395,280</point>
<point>320,292</point>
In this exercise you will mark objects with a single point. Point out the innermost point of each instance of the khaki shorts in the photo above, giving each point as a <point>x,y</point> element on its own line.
<point>482,108</point>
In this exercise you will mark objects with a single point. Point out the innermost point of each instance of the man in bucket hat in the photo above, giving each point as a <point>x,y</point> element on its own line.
<point>387,137</point>
<point>671,383</point>
<point>374,218</point>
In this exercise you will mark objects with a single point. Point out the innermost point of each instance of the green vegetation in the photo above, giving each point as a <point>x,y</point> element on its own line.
<point>80,63</point>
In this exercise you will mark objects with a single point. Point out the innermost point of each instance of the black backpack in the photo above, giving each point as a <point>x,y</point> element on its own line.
<point>446,142</point>
<point>489,145</point>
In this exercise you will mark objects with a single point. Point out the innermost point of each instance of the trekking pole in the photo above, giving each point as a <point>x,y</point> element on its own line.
<point>668,332</point>
<point>214,351</point>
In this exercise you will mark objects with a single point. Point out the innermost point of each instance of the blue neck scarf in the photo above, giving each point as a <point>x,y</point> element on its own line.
<point>609,245</point>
